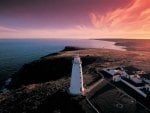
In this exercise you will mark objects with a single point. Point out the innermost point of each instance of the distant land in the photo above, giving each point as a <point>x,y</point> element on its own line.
<point>132,44</point>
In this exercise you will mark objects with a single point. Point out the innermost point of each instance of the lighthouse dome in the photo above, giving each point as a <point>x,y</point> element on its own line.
<point>77,60</point>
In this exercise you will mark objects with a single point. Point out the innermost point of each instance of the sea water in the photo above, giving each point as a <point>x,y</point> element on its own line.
<point>16,52</point>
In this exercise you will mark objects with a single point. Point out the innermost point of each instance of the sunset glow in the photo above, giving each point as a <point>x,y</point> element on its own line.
<point>75,19</point>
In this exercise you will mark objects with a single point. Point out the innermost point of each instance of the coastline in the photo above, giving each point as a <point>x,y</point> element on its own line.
<point>22,51</point>
<point>50,64</point>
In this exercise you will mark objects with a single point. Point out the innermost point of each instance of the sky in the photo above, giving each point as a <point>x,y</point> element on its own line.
<point>74,19</point>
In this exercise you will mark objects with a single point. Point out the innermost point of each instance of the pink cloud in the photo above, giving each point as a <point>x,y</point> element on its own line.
<point>7,29</point>
<point>135,16</point>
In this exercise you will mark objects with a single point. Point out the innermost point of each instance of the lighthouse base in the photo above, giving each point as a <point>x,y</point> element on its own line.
<point>73,93</point>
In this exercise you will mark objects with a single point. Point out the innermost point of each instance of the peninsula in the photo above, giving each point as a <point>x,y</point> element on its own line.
<point>41,86</point>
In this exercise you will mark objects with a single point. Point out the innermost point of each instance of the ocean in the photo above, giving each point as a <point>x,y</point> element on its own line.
<point>16,52</point>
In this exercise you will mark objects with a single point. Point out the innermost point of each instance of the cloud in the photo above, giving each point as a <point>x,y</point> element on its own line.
<point>78,32</point>
<point>133,18</point>
<point>7,29</point>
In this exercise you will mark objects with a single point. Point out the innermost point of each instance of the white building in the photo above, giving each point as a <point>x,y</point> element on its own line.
<point>116,77</point>
<point>147,86</point>
<point>76,84</point>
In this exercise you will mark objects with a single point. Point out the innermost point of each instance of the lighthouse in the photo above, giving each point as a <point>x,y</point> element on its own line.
<point>76,83</point>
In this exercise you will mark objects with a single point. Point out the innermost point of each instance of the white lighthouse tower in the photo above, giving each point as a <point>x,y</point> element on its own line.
<point>76,84</point>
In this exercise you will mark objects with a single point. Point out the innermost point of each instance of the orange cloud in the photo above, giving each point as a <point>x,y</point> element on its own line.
<point>131,19</point>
